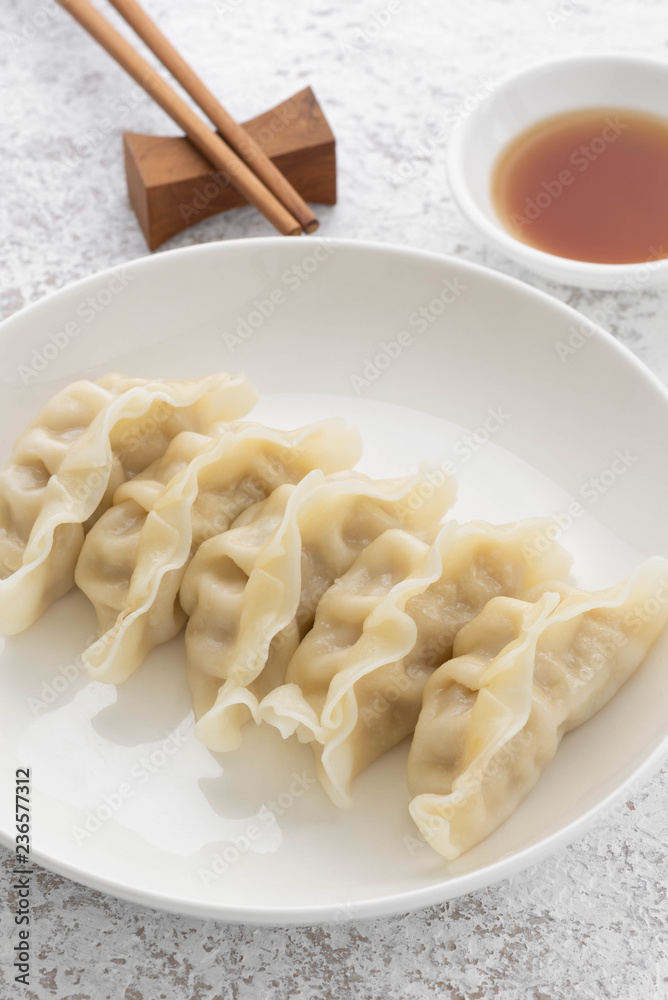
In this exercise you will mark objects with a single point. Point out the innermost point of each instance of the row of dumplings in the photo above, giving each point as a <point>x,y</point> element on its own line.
<point>327,604</point>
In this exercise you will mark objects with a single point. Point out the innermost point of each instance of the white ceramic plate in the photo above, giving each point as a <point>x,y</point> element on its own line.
<point>124,798</point>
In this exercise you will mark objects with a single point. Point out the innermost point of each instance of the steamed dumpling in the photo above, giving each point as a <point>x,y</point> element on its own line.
<point>524,674</point>
<point>65,466</point>
<point>354,686</point>
<point>133,560</point>
<point>252,592</point>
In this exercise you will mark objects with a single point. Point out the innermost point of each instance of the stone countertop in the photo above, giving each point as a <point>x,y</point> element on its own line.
<point>592,921</point>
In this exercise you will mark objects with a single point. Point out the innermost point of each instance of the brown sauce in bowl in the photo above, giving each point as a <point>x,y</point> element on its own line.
<point>589,185</point>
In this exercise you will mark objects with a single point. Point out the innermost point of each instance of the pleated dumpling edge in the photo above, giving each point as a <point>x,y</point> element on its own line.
<point>66,465</point>
<point>466,775</point>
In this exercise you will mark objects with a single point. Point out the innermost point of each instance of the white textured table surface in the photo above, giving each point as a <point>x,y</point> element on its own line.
<point>593,920</point>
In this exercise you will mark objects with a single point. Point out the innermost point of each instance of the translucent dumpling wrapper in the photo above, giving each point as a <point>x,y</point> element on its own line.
<point>354,686</point>
<point>252,593</point>
<point>66,465</point>
<point>523,675</point>
<point>133,560</point>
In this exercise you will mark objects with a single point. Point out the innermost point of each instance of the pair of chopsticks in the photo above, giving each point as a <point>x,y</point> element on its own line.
<point>250,170</point>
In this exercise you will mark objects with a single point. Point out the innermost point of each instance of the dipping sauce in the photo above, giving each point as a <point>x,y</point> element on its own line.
<point>589,185</point>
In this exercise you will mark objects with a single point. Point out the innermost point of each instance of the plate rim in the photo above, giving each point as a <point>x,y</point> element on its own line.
<point>395,902</point>
<point>596,331</point>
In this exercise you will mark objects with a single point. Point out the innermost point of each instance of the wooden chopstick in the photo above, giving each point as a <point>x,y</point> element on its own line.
<point>233,133</point>
<point>205,139</point>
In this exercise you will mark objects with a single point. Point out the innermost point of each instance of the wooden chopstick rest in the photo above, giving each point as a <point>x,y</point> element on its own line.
<point>172,186</point>
<point>250,151</point>
<point>205,139</point>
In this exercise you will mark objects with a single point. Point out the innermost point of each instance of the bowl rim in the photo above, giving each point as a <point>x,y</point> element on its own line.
<point>614,275</point>
<point>383,905</point>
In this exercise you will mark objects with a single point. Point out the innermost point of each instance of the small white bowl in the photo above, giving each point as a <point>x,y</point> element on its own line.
<point>549,88</point>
